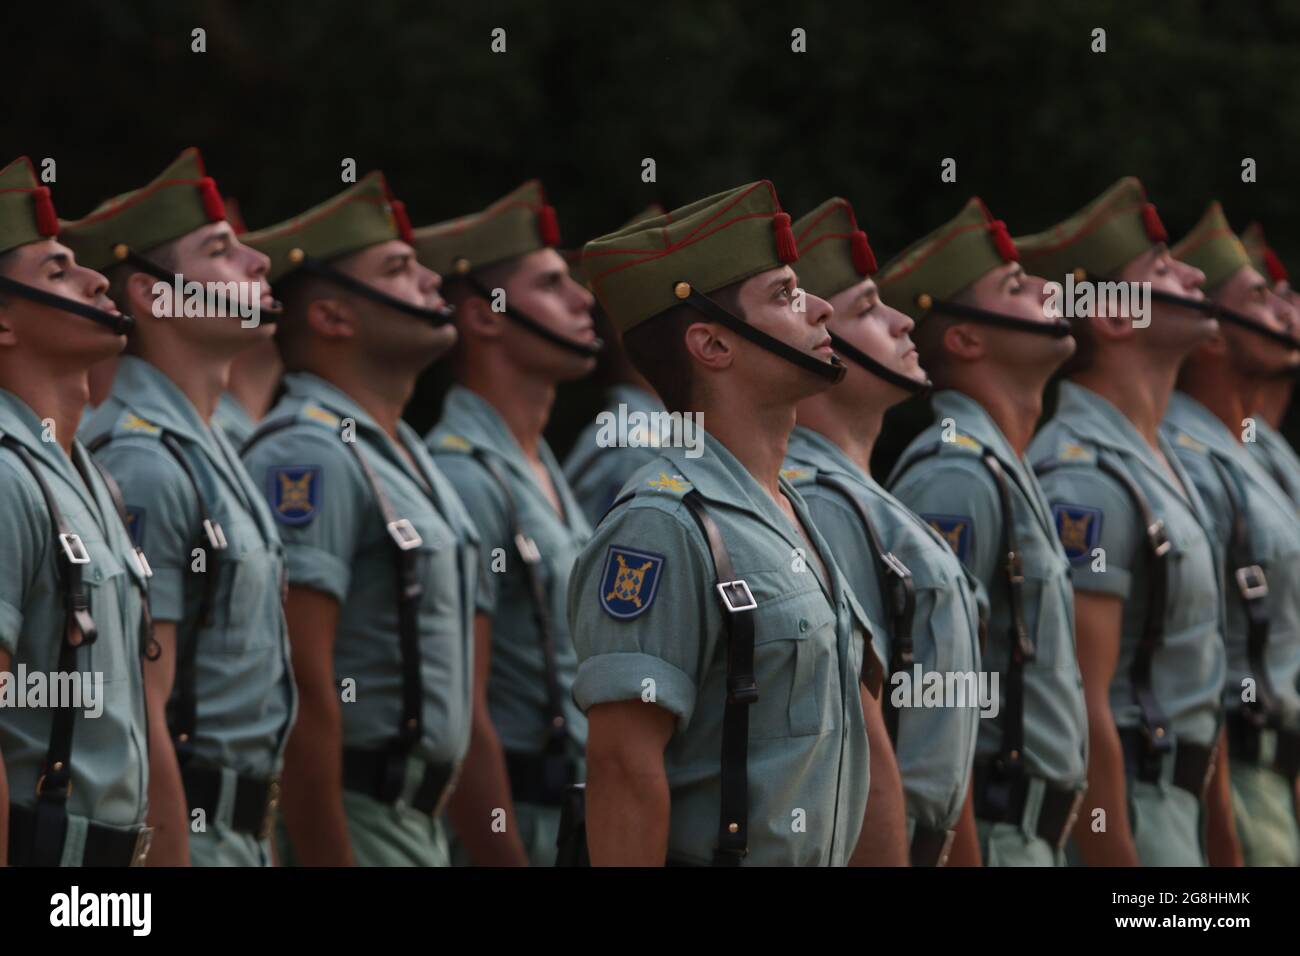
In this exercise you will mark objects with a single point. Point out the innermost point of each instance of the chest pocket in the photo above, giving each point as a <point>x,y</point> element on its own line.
<point>795,664</point>
<point>251,579</point>
<point>1048,603</point>
<point>107,584</point>
<point>440,569</point>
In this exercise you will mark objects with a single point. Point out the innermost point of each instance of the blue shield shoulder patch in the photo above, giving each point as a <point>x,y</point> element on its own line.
<point>1079,529</point>
<point>629,582</point>
<point>295,493</point>
<point>135,524</point>
<point>954,529</point>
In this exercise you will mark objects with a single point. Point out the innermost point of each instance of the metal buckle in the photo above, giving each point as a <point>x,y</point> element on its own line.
<point>1070,819</point>
<point>143,841</point>
<point>268,815</point>
<point>141,563</point>
<point>1160,543</point>
<point>889,560</point>
<point>725,588</point>
<point>40,785</point>
<point>216,536</point>
<point>404,534</point>
<point>1251,582</point>
<point>947,848</point>
<point>527,548</point>
<point>1015,567</point>
<point>73,549</point>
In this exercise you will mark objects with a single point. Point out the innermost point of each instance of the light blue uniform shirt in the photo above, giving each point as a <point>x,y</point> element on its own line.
<point>595,470</point>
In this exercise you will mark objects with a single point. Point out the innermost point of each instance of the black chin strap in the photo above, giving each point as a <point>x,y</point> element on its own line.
<point>1057,329</point>
<point>585,349</point>
<point>1254,325</point>
<point>909,385</point>
<point>1205,306</point>
<point>117,321</point>
<point>148,266</point>
<point>833,371</point>
<point>325,271</point>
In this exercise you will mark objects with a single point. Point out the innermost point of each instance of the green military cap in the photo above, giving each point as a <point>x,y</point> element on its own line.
<point>363,215</point>
<point>833,252</point>
<point>1262,256</point>
<point>181,199</point>
<point>26,209</point>
<point>1098,240</point>
<point>946,261</point>
<point>574,256</point>
<point>647,268</point>
<point>1212,247</point>
<point>516,224</point>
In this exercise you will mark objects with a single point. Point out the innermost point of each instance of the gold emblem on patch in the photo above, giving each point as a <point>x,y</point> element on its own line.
<point>951,535</point>
<point>295,493</point>
<point>134,423</point>
<point>793,474</point>
<point>628,584</point>
<point>1074,452</point>
<point>667,483</point>
<point>1074,531</point>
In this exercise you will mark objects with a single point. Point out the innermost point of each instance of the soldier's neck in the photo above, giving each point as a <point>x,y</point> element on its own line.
<point>1272,399</point>
<point>1228,395</point>
<point>57,397</point>
<point>755,434</point>
<point>1015,407</point>
<point>200,375</point>
<point>254,377</point>
<point>383,394</point>
<point>1140,392</point>
<point>523,402</point>
<point>853,430</point>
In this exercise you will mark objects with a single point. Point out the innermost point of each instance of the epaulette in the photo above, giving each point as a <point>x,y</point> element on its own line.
<point>453,443</point>
<point>1073,451</point>
<point>1184,440</point>
<point>800,475</point>
<point>674,485</point>
<point>311,412</point>
<point>964,442</point>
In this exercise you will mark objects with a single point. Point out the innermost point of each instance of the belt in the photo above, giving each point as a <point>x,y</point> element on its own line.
<point>1245,739</point>
<point>105,846</point>
<point>255,798</point>
<point>930,847</point>
<point>540,778</point>
<point>380,774</point>
<point>1006,804</point>
<point>1193,763</point>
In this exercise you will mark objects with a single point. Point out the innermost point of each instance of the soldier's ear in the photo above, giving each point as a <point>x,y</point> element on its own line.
<point>474,316</point>
<point>963,340</point>
<point>330,319</point>
<point>8,338</point>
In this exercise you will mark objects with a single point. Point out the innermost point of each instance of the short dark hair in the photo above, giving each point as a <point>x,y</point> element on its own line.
<point>7,260</point>
<point>657,348</point>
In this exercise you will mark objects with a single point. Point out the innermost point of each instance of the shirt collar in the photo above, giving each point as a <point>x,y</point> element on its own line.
<point>18,420</point>
<point>811,447</point>
<point>143,388</point>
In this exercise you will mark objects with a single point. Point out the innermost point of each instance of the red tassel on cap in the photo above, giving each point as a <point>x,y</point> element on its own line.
<point>403,221</point>
<point>548,226</point>
<point>213,207</point>
<point>864,260</point>
<point>47,220</point>
<point>1002,241</point>
<point>1152,224</point>
<point>1276,271</point>
<point>786,248</point>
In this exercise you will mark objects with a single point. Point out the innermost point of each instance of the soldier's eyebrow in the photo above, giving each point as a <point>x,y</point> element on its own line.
<point>1017,272</point>
<point>396,259</point>
<point>221,236</point>
<point>61,258</point>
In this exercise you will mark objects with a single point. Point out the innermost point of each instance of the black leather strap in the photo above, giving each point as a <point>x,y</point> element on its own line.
<point>49,823</point>
<point>897,593</point>
<point>1251,584</point>
<point>833,371</point>
<point>557,732</point>
<point>323,270</point>
<point>405,541</point>
<point>878,369</point>
<point>105,846</point>
<point>994,803</point>
<point>254,797</point>
<point>1057,330</point>
<point>1192,762</point>
<point>1224,314</point>
<point>183,705</point>
<point>380,775</point>
<point>540,778</point>
<point>1245,745</point>
<point>149,647</point>
<point>585,349</point>
<point>1154,724</point>
<point>1205,307</point>
<point>742,690</point>
<point>117,321</point>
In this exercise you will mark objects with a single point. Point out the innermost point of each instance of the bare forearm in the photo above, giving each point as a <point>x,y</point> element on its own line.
<point>1105,839</point>
<point>966,841</point>
<point>312,792</point>
<point>1222,846</point>
<point>168,809</point>
<point>627,814</point>
<point>883,841</point>
<point>483,789</point>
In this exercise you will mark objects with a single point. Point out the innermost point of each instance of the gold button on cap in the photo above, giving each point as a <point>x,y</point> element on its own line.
<point>924,301</point>
<point>682,290</point>
<point>296,256</point>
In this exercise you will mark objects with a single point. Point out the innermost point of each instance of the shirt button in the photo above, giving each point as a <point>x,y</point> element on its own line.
<point>803,624</point>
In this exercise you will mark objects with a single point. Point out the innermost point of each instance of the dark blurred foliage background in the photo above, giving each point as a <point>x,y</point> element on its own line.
<point>1038,124</point>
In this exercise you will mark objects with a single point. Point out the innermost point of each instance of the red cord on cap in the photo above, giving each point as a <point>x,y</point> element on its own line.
<point>864,260</point>
<point>548,227</point>
<point>213,207</point>
<point>1276,271</point>
<point>1003,242</point>
<point>403,221</point>
<point>786,248</point>
<point>47,220</point>
<point>1152,224</point>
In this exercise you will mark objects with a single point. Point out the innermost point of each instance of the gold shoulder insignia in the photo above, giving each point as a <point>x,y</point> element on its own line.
<point>454,442</point>
<point>666,483</point>
<point>967,442</point>
<point>794,474</point>
<point>318,414</point>
<point>132,422</point>
<point>1073,451</point>
<point>1187,441</point>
